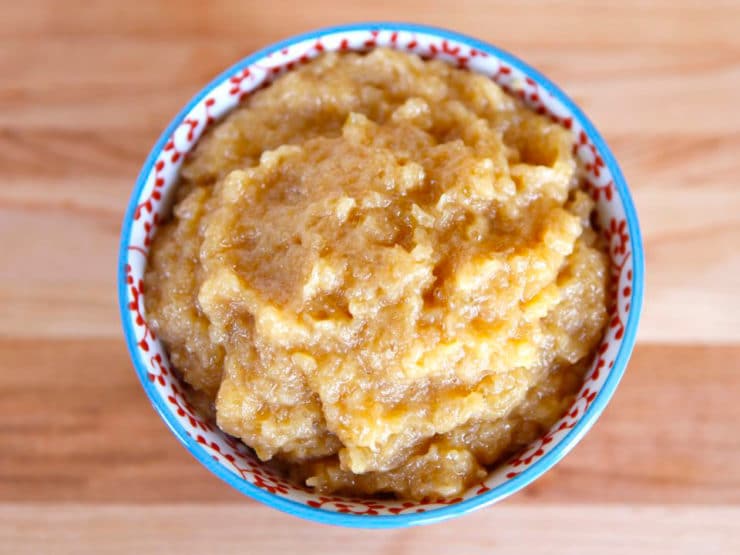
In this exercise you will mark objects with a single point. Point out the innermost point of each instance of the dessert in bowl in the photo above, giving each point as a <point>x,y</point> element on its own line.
<point>398,272</point>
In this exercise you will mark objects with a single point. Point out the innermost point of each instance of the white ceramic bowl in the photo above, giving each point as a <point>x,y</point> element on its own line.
<point>228,458</point>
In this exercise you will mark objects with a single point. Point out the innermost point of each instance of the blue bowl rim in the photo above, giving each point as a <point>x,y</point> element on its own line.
<point>443,513</point>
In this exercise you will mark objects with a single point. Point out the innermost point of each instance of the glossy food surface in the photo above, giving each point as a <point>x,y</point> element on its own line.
<point>382,273</point>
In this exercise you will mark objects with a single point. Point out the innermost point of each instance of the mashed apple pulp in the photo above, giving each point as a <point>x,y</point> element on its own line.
<point>382,274</point>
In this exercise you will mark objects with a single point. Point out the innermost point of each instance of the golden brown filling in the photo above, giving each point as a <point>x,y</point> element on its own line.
<point>382,273</point>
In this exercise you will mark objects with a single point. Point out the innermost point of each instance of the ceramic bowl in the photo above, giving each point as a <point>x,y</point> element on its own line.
<point>229,459</point>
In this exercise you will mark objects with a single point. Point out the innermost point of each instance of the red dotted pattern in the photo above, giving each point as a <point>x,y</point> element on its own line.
<point>184,409</point>
<point>136,291</point>
<point>374,507</point>
<point>232,453</point>
<point>158,369</point>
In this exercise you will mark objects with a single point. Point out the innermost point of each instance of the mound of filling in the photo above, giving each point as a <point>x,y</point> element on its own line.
<point>381,273</point>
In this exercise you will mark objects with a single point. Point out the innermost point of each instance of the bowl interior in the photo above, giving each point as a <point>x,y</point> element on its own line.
<point>228,458</point>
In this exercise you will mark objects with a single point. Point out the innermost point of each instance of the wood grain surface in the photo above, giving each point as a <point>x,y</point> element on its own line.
<point>86,466</point>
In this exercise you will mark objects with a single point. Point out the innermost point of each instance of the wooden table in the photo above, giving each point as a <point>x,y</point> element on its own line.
<point>85,464</point>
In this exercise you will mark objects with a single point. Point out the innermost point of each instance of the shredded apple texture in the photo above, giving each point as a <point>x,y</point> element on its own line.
<point>381,274</point>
